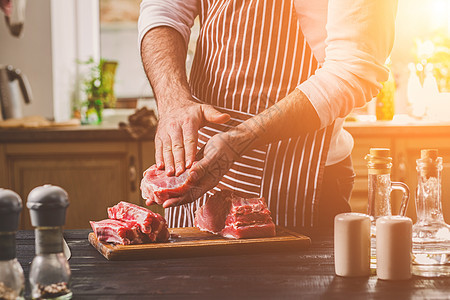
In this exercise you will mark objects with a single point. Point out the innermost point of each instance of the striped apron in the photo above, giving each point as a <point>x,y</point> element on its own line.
<point>251,54</point>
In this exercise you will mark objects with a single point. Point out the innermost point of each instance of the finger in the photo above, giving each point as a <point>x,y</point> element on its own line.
<point>168,156</point>
<point>190,137</point>
<point>147,195</point>
<point>198,170</point>
<point>188,197</point>
<point>157,200</point>
<point>149,202</point>
<point>159,153</point>
<point>195,192</point>
<point>178,150</point>
<point>213,115</point>
<point>174,202</point>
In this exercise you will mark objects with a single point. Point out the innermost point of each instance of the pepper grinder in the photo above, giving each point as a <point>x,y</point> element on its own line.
<point>50,271</point>
<point>12,281</point>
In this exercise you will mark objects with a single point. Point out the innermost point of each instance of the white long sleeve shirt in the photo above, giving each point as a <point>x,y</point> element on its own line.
<point>351,40</point>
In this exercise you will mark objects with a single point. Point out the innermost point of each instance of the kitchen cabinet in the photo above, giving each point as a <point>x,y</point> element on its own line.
<point>405,142</point>
<point>96,173</point>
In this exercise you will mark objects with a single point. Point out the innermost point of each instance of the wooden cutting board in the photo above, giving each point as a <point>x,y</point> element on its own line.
<point>193,242</point>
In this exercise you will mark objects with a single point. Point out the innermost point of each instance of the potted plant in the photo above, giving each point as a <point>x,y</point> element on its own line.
<point>98,87</point>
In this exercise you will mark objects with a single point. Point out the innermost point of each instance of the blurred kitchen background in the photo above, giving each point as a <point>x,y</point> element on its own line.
<point>82,62</point>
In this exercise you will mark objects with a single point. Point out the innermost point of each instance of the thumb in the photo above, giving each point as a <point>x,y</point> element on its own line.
<point>213,115</point>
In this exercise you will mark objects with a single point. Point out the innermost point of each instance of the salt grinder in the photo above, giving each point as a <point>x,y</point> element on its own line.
<point>50,271</point>
<point>352,244</point>
<point>394,247</point>
<point>12,281</point>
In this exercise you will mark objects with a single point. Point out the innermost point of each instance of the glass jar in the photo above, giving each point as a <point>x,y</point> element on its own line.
<point>50,271</point>
<point>12,280</point>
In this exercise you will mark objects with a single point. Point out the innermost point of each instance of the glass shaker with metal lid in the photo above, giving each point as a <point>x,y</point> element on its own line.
<point>12,281</point>
<point>50,271</point>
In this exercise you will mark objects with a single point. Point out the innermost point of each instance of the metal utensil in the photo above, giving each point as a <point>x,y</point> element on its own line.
<point>66,250</point>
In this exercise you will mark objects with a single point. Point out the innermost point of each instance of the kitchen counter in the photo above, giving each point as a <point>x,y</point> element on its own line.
<point>307,274</point>
<point>109,131</point>
<point>397,128</point>
<point>81,133</point>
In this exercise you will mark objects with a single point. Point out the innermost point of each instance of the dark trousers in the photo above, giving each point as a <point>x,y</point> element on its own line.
<point>336,191</point>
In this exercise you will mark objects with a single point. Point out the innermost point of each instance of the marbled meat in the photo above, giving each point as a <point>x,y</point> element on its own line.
<point>131,224</point>
<point>235,217</point>
<point>118,232</point>
<point>150,223</point>
<point>158,186</point>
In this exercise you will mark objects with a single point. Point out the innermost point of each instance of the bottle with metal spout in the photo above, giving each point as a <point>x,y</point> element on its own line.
<point>431,235</point>
<point>50,271</point>
<point>12,281</point>
<point>379,165</point>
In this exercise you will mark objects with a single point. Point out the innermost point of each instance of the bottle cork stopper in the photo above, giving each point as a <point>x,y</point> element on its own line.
<point>380,152</point>
<point>429,159</point>
<point>379,161</point>
<point>429,153</point>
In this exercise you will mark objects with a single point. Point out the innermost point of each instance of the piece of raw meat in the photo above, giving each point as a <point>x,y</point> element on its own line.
<point>249,231</point>
<point>158,186</point>
<point>232,216</point>
<point>211,216</point>
<point>118,232</point>
<point>150,223</point>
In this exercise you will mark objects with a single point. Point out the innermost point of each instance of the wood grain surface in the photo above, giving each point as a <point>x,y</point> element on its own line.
<point>193,242</point>
<point>299,274</point>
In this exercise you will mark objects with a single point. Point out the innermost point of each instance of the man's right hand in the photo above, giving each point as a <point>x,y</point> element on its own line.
<point>180,117</point>
<point>177,132</point>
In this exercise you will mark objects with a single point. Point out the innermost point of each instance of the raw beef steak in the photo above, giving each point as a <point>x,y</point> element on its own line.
<point>118,232</point>
<point>151,224</point>
<point>248,231</point>
<point>211,216</point>
<point>158,186</point>
<point>232,216</point>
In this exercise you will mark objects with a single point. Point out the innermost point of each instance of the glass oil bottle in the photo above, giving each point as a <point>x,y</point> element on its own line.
<point>379,164</point>
<point>431,235</point>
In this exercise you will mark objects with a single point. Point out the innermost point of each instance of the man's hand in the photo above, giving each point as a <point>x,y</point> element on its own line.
<point>176,135</point>
<point>220,153</point>
<point>164,55</point>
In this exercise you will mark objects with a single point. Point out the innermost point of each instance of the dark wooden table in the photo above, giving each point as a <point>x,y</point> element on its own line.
<point>307,274</point>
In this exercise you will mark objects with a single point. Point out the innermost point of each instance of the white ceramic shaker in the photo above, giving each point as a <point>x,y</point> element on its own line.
<point>394,247</point>
<point>352,244</point>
